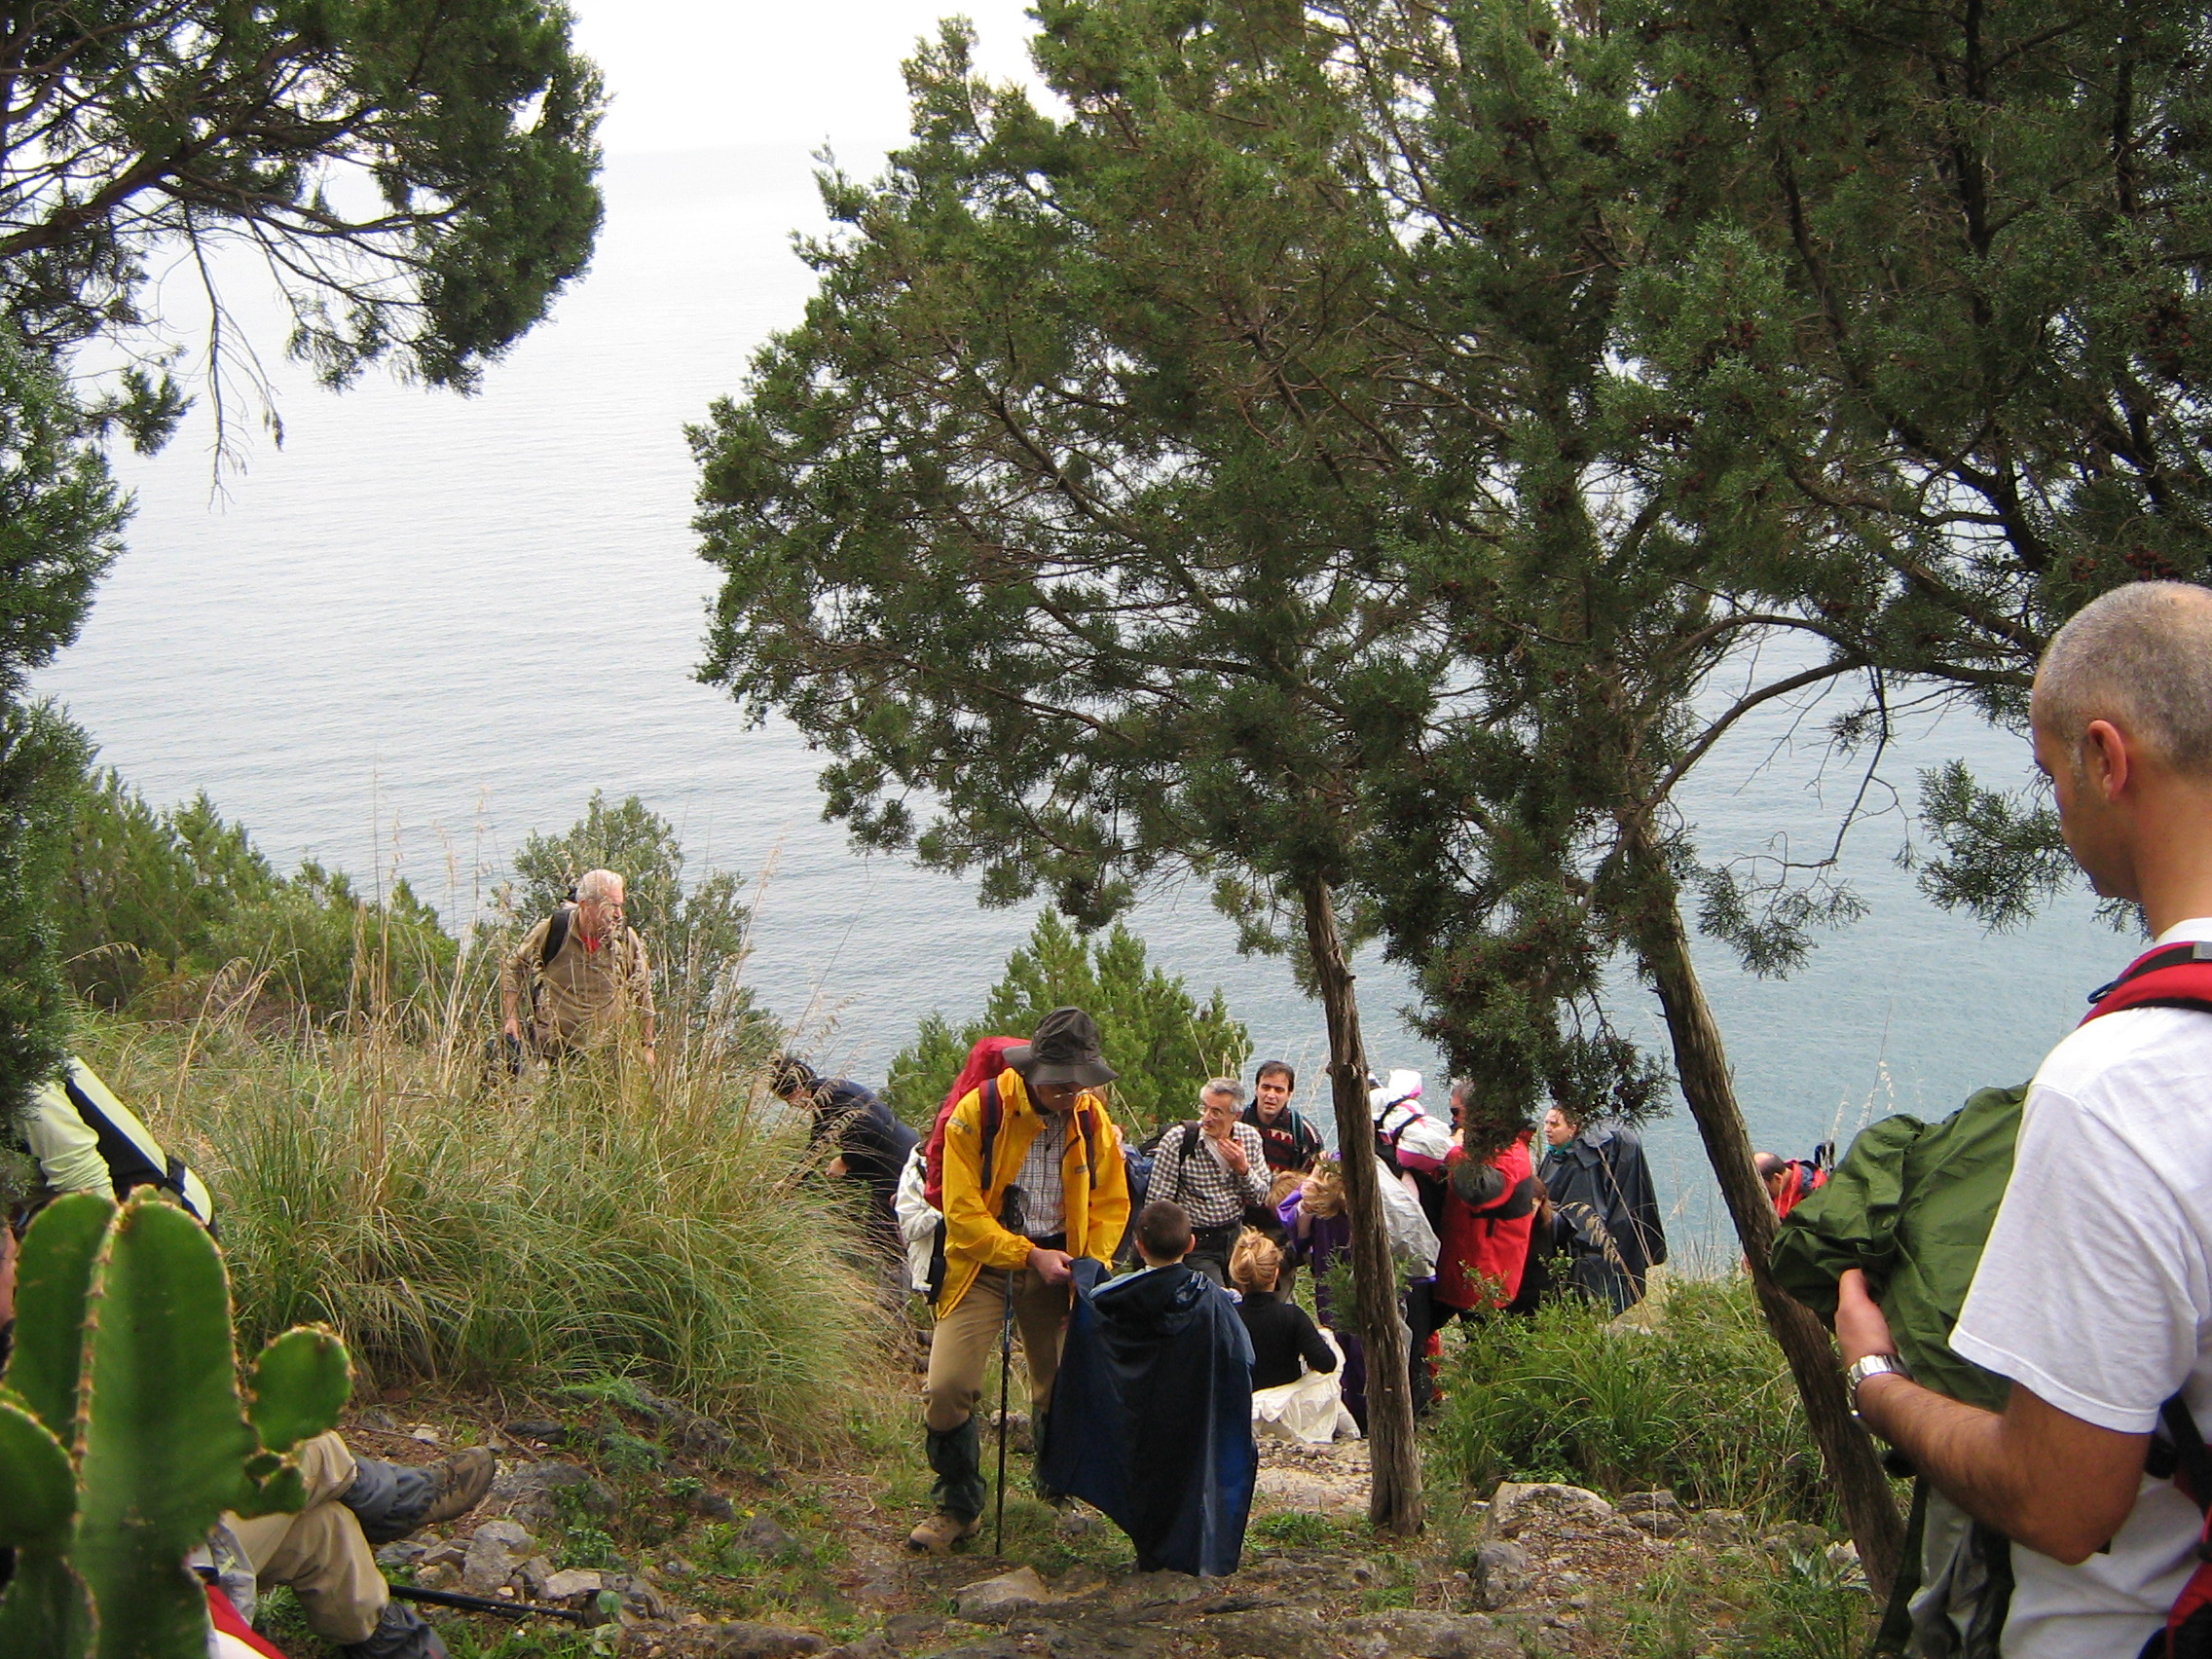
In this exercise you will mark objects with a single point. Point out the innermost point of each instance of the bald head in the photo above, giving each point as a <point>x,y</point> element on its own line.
<point>2141,657</point>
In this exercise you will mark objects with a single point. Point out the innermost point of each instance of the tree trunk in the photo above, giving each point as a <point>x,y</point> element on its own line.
<point>1394,1499</point>
<point>1701,1063</point>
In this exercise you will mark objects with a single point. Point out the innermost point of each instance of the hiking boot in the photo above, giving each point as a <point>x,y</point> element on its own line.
<point>400,1634</point>
<point>941,1532</point>
<point>391,1500</point>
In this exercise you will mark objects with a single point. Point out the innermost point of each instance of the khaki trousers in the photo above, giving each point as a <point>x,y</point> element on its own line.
<point>964,1341</point>
<point>319,1552</point>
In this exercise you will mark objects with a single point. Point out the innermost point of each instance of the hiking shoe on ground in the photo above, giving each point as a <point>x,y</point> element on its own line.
<point>941,1532</point>
<point>400,1634</point>
<point>390,1500</point>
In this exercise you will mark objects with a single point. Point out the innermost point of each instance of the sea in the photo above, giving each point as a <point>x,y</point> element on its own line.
<point>425,626</point>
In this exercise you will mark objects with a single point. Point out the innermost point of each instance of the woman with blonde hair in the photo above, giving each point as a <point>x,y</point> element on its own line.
<point>1294,1365</point>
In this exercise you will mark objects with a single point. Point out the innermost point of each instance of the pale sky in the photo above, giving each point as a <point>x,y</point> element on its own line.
<point>702,74</point>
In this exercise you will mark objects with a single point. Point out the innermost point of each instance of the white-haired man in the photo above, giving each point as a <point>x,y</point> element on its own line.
<point>579,975</point>
<point>2093,1295</point>
<point>1216,1169</point>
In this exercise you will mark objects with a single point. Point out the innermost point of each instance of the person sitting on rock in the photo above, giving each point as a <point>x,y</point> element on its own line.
<point>1295,1382</point>
<point>325,1552</point>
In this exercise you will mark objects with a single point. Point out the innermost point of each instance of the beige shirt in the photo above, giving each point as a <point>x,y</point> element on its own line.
<point>583,993</point>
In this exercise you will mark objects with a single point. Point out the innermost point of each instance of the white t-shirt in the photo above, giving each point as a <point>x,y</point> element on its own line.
<point>2096,1293</point>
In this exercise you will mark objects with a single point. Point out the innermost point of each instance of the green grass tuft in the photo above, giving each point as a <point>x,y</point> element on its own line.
<point>610,1229</point>
<point>1701,1405</point>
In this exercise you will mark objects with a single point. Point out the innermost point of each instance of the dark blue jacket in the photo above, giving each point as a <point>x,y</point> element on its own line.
<point>1606,1214</point>
<point>1152,1415</point>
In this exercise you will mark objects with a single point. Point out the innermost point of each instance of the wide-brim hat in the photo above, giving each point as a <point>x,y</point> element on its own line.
<point>1064,1049</point>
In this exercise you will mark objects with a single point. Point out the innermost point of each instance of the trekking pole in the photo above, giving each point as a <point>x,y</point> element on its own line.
<point>1006,1370</point>
<point>587,1616</point>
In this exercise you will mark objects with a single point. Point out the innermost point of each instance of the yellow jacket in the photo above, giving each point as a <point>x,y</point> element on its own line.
<point>1094,1183</point>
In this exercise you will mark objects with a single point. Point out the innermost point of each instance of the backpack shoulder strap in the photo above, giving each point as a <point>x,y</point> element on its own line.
<point>2174,975</point>
<point>993,1114</point>
<point>556,935</point>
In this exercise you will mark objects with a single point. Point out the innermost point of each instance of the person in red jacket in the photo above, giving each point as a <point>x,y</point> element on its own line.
<point>1490,1210</point>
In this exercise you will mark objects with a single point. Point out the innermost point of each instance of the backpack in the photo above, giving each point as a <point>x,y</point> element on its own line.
<point>1912,1203</point>
<point>134,1156</point>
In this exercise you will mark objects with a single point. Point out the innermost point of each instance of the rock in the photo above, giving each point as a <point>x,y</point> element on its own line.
<point>1411,1634</point>
<point>994,1601</point>
<point>1719,1527</point>
<point>767,1538</point>
<point>912,1630</point>
<point>495,1551</point>
<point>573,1581</point>
<point>713,1506</point>
<point>1796,1538</point>
<point>876,1593</point>
<point>536,1573</point>
<point>376,1417</point>
<point>442,1552</point>
<point>1658,1513</point>
<point>1515,1503</point>
<point>437,1575</point>
<point>1271,1633</point>
<point>869,1646</point>
<point>404,1553</point>
<point>531,1492</point>
<point>1502,1570</point>
<point>734,1641</point>
<point>544,1430</point>
<point>1017,1434</point>
<point>639,1597</point>
<point>426,1434</point>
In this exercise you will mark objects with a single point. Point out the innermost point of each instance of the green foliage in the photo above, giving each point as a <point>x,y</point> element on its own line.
<point>1702,1405</point>
<point>123,1432</point>
<point>61,524</point>
<point>618,1223</point>
<point>1741,1603</point>
<point>694,939</point>
<point>2001,856</point>
<point>417,179</point>
<point>1162,1041</point>
<point>156,901</point>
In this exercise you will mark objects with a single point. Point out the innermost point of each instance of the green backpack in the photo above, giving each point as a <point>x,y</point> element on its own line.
<point>1911,1205</point>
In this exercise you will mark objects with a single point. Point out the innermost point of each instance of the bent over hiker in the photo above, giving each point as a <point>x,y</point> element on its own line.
<point>578,975</point>
<point>1033,1180</point>
<point>2093,1295</point>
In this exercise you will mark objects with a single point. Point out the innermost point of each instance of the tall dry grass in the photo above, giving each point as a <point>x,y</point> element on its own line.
<point>605,1219</point>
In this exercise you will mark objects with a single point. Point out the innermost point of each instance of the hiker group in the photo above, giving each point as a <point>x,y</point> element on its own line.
<point>1148,1385</point>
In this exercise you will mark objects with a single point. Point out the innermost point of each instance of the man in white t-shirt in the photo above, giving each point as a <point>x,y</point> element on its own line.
<point>2095,1293</point>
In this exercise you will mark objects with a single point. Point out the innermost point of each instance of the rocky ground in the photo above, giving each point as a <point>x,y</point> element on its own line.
<point>648,1523</point>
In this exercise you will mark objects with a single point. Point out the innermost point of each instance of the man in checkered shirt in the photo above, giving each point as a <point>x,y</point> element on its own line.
<point>1216,1169</point>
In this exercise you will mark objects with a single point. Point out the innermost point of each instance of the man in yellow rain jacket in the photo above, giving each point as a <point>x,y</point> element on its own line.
<point>1033,1178</point>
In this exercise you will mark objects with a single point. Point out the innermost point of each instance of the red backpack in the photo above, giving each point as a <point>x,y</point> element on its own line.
<point>1484,1252</point>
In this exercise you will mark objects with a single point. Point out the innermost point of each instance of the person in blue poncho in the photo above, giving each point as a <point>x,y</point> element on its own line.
<point>1152,1414</point>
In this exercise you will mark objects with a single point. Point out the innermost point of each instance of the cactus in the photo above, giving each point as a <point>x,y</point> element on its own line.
<point>124,1435</point>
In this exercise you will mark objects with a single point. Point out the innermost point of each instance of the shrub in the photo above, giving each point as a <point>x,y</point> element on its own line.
<point>1701,1405</point>
<point>159,900</point>
<point>612,1221</point>
<point>1163,1042</point>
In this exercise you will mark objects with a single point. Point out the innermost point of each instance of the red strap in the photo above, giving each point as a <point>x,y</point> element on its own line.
<point>2169,976</point>
<point>225,1618</point>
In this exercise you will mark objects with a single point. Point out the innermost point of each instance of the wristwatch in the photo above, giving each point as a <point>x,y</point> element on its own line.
<point>1865,1366</point>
